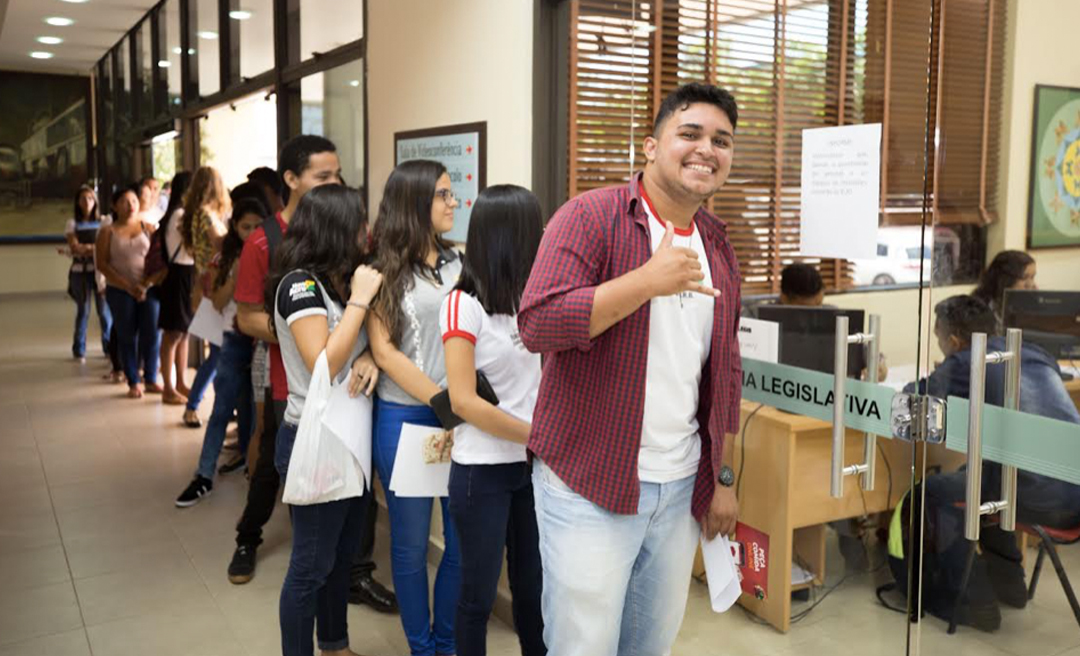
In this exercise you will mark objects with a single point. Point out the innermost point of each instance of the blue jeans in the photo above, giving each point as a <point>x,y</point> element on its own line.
<point>315,594</point>
<point>137,332</point>
<point>410,527</point>
<point>614,584</point>
<point>203,377</point>
<point>232,391</point>
<point>493,511</point>
<point>83,290</point>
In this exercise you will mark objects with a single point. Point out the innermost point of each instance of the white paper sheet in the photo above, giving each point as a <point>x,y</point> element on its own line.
<point>721,572</point>
<point>412,477</point>
<point>841,191</point>
<point>759,339</point>
<point>349,420</point>
<point>208,323</point>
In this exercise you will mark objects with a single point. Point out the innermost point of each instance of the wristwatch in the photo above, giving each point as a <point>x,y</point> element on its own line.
<point>726,477</point>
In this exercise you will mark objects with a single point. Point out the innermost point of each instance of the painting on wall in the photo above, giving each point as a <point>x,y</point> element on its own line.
<point>43,153</point>
<point>1054,194</point>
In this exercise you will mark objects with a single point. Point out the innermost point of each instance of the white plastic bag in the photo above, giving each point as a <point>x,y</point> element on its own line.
<point>321,467</point>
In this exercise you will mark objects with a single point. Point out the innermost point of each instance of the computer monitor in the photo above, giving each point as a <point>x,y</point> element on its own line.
<point>1049,319</point>
<point>807,334</point>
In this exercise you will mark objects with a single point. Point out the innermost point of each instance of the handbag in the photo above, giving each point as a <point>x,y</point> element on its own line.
<point>440,403</point>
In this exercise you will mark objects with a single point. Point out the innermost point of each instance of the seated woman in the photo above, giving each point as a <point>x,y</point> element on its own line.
<point>999,574</point>
<point>1008,270</point>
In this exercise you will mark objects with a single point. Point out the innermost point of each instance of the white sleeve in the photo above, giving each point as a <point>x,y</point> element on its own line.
<point>69,227</point>
<point>461,316</point>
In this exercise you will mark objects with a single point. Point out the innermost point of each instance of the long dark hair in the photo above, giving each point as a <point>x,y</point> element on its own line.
<point>505,228</point>
<point>94,213</point>
<point>324,239</point>
<point>177,189</point>
<point>1005,271</point>
<point>232,245</point>
<point>404,235</point>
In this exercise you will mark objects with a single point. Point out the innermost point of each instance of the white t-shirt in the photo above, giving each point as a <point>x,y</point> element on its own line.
<point>680,328</point>
<point>173,241</point>
<point>513,372</point>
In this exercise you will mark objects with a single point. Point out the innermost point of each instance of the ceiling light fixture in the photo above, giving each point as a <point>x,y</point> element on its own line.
<point>50,40</point>
<point>75,2</point>
<point>354,83</point>
<point>209,36</point>
<point>59,21</point>
<point>239,14</point>
<point>41,54</point>
<point>164,63</point>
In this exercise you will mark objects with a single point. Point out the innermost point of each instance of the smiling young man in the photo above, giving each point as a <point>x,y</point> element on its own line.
<point>634,300</point>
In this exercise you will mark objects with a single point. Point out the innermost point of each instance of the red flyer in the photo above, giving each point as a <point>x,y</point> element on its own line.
<point>751,551</point>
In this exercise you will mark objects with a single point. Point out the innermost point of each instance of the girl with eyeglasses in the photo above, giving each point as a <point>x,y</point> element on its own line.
<point>419,269</point>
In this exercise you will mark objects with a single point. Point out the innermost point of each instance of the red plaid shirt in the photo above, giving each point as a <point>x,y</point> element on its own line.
<point>588,417</point>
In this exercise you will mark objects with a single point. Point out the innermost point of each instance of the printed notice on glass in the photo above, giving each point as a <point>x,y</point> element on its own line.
<point>841,191</point>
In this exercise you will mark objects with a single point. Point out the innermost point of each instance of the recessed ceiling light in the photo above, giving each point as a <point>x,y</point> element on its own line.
<point>177,50</point>
<point>41,54</point>
<point>191,51</point>
<point>59,21</point>
<point>239,14</point>
<point>50,40</point>
<point>75,2</point>
<point>354,83</point>
<point>164,64</point>
<point>209,36</point>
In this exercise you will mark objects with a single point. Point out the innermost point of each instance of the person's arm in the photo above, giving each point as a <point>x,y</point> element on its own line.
<point>563,305</point>
<point>221,295</point>
<point>395,364</point>
<point>215,232</point>
<point>77,249</point>
<point>467,404</point>
<point>723,512</point>
<point>253,321</point>
<point>312,332</point>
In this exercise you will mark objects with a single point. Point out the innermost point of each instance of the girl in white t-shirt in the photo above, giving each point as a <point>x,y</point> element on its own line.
<point>491,496</point>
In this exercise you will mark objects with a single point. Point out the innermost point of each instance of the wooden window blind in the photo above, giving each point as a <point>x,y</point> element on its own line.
<point>913,65</point>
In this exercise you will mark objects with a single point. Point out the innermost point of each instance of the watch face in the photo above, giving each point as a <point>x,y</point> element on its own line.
<point>727,477</point>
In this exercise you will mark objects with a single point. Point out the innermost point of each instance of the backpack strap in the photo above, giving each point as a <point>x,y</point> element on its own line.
<point>273,237</point>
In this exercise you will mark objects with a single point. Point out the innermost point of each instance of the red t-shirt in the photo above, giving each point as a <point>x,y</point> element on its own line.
<point>250,286</point>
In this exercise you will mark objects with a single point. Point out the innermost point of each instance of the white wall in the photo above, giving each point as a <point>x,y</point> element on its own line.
<point>433,64</point>
<point>32,268</point>
<point>1041,50</point>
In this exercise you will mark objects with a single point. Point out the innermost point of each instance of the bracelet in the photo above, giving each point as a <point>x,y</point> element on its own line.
<point>362,306</point>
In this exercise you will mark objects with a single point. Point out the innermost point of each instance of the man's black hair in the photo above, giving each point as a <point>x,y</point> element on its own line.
<point>265,175</point>
<point>963,315</point>
<point>697,92</point>
<point>800,281</point>
<point>146,181</point>
<point>296,155</point>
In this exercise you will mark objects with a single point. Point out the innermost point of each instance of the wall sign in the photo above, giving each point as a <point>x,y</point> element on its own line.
<point>462,149</point>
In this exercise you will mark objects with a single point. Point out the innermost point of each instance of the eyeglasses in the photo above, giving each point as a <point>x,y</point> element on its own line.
<point>447,195</point>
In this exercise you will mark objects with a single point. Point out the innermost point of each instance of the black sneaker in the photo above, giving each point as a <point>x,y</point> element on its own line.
<point>367,590</point>
<point>195,491</point>
<point>242,567</point>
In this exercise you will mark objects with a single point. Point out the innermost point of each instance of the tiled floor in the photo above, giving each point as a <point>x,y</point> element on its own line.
<point>95,559</point>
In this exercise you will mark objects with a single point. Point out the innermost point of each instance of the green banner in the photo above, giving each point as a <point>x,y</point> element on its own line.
<point>810,393</point>
<point>1036,444</point>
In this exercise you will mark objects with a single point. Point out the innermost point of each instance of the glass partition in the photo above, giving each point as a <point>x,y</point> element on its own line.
<point>328,24</point>
<point>171,52</point>
<point>256,18</point>
<point>207,46</point>
<point>332,105</point>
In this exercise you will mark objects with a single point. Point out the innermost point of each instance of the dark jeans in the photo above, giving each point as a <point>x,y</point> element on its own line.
<point>315,594</point>
<point>945,491</point>
<point>137,331</point>
<point>83,289</point>
<point>492,508</point>
<point>263,490</point>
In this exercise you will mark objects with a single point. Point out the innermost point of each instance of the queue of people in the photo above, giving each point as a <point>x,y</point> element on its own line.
<point>594,470</point>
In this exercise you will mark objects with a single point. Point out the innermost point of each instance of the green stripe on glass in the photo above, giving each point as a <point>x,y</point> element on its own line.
<point>1035,444</point>
<point>810,393</point>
